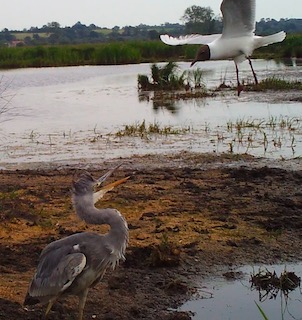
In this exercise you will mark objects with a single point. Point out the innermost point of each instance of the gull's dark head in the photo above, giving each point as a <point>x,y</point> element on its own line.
<point>202,54</point>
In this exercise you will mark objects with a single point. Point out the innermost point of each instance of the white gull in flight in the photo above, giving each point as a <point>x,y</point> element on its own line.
<point>237,41</point>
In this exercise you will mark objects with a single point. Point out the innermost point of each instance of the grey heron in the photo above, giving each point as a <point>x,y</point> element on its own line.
<point>70,266</point>
<point>237,41</point>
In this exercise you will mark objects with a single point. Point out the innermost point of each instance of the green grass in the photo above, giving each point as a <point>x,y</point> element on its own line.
<point>22,35</point>
<point>126,52</point>
<point>87,54</point>
<point>274,83</point>
<point>290,47</point>
<point>106,31</point>
<point>261,311</point>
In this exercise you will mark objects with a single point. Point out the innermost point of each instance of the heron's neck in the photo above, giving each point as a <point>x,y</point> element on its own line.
<point>86,210</point>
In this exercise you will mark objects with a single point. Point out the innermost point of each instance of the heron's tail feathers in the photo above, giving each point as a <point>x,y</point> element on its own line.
<point>267,40</point>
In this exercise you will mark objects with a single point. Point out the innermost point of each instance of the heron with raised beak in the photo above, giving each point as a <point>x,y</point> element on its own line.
<point>72,265</point>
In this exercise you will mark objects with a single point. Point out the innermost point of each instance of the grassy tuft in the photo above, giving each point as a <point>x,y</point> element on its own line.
<point>274,83</point>
<point>144,130</point>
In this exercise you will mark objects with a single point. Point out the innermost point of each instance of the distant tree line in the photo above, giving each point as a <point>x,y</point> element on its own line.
<point>196,19</point>
<point>269,26</point>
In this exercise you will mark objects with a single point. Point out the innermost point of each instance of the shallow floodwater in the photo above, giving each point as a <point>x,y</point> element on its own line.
<point>58,114</point>
<point>235,300</point>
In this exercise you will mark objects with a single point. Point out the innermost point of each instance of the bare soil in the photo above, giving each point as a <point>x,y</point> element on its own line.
<point>189,215</point>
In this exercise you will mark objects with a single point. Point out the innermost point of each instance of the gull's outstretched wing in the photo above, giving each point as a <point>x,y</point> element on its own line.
<point>238,17</point>
<point>189,39</point>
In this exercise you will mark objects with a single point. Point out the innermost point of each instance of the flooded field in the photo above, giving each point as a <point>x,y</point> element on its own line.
<point>58,113</point>
<point>191,217</point>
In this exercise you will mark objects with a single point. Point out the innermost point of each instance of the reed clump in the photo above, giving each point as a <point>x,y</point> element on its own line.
<point>268,283</point>
<point>169,77</point>
<point>162,78</point>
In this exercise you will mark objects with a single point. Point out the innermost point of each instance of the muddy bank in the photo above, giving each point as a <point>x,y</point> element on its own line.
<point>189,216</point>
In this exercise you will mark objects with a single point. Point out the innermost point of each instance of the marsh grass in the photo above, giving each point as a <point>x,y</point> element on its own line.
<point>89,54</point>
<point>165,254</point>
<point>273,133</point>
<point>12,195</point>
<point>169,85</point>
<point>169,77</point>
<point>274,123</point>
<point>143,130</point>
<point>275,83</point>
<point>53,56</point>
<point>195,78</point>
<point>123,53</point>
<point>166,77</point>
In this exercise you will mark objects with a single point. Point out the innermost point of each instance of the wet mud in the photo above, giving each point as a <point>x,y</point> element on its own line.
<point>190,216</point>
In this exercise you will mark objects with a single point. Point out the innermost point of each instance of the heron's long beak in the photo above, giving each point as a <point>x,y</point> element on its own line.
<point>101,180</point>
<point>100,194</point>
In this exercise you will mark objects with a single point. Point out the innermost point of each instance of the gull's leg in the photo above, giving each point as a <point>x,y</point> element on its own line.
<point>254,74</point>
<point>239,86</point>
<point>82,301</point>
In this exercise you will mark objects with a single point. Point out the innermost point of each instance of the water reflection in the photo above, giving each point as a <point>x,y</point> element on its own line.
<point>160,102</point>
<point>157,103</point>
<point>271,286</point>
<point>224,299</point>
<point>292,62</point>
<point>171,101</point>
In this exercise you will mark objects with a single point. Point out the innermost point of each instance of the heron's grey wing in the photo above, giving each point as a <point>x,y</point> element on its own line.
<point>56,271</point>
<point>238,17</point>
<point>189,39</point>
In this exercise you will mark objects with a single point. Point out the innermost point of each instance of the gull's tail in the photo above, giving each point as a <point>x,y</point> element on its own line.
<point>267,40</point>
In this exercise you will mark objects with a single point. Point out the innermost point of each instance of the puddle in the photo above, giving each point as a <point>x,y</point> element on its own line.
<point>235,300</point>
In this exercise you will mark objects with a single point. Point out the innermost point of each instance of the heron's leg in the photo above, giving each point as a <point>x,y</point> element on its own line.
<point>82,301</point>
<point>254,74</point>
<point>49,306</point>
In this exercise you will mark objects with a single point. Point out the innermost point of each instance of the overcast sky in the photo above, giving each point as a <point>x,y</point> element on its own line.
<point>20,14</point>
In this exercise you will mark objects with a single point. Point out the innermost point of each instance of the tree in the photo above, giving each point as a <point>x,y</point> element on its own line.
<point>199,20</point>
<point>7,35</point>
<point>153,35</point>
<point>53,25</point>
